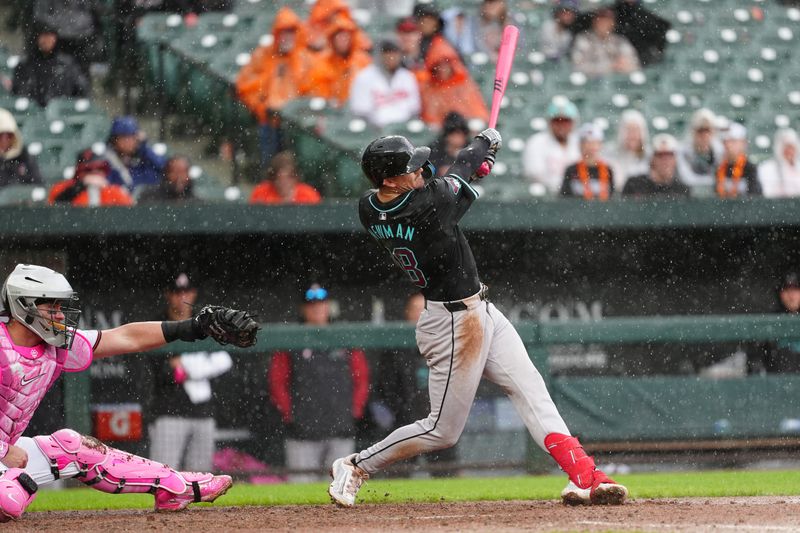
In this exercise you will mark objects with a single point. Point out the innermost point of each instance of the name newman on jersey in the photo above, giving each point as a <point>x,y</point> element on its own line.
<point>387,231</point>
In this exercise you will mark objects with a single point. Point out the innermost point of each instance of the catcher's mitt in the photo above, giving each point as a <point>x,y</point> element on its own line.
<point>227,326</point>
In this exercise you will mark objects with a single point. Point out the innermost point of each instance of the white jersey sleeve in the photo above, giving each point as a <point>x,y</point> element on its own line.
<point>82,352</point>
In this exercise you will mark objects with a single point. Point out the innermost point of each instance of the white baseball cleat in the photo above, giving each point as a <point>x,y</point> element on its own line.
<point>603,491</point>
<point>347,479</point>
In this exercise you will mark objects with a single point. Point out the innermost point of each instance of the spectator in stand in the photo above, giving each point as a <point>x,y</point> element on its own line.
<point>600,52</point>
<point>273,77</point>
<point>320,395</point>
<point>90,185</point>
<point>556,35</point>
<point>455,136</point>
<point>779,356</point>
<point>79,27</point>
<point>334,70</point>
<point>410,39</point>
<point>46,73</point>
<point>283,184</point>
<point>662,179</point>
<point>736,175</point>
<point>630,156</point>
<point>385,92</point>
<point>591,178</point>
<point>182,434</point>
<point>17,166</point>
<point>449,87</point>
<point>175,187</point>
<point>469,33</point>
<point>548,153</point>
<point>780,175</point>
<point>430,24</point>
<point>321,18</point>
<point>646,31</point>
<point>133,162</point>
<point>701,152</point>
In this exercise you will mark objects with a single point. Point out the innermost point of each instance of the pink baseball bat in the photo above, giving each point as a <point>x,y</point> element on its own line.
<point>505,58</point>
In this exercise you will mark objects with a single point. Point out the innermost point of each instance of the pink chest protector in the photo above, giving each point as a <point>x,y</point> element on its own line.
<point>26,374</point>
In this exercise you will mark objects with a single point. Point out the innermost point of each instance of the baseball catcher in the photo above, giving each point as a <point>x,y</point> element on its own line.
<point>461,334</point>
<point>38,343</point>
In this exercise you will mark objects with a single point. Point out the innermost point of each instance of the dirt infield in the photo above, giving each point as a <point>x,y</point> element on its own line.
<point>696,514</point>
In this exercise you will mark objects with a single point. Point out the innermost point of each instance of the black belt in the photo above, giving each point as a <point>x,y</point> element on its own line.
<point>455,307</point>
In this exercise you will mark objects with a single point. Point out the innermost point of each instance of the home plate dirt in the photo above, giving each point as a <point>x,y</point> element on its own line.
<point>687,514</point>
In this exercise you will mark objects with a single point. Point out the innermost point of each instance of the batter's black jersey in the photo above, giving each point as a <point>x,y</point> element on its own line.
<point>420,231</point>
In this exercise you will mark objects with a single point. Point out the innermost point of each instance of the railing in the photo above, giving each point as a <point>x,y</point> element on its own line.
<point>537,337</point>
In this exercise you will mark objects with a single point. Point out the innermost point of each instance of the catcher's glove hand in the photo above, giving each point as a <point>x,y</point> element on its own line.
<point>227,326</point>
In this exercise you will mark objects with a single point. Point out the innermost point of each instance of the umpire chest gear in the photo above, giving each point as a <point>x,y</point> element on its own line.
<point>394,155</point>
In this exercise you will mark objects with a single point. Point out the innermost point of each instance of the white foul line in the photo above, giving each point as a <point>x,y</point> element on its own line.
<point>661,526</point>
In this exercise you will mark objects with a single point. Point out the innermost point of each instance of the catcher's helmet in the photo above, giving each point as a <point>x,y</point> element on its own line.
<point>29,285</point>
<point>391,156</point>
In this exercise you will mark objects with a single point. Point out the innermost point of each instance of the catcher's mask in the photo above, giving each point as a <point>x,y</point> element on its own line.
<point>30,286</point>
<point>394,155</point>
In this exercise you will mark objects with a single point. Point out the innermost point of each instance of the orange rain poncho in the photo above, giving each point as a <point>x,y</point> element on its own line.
<point>323,13</point>
<point>271,78</point>
<point>332,74</point>
<point>457,93</point>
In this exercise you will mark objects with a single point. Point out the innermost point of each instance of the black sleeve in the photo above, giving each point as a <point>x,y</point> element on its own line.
<point>630,186</point>
<point>452,196</point>
<point>610,181</point>
<point>469,159</point>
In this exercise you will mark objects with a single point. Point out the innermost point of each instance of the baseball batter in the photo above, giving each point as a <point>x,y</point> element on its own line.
<point>38,343</point>
<point>461,333</point>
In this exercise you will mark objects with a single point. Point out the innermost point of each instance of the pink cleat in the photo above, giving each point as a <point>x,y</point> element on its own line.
<point>199,488</point>
<point>17,491</point>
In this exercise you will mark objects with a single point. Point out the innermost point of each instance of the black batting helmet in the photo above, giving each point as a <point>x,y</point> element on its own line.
<point>391,156</point>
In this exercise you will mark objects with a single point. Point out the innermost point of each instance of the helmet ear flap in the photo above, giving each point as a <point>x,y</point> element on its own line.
<point>428,170</point>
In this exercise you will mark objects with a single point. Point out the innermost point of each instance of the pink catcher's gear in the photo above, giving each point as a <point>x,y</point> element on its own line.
<point>17,491</point>
<point>200,488</point>
<point>111,470</point>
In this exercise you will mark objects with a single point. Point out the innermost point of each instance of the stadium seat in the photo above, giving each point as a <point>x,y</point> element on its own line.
<point>22,195</point>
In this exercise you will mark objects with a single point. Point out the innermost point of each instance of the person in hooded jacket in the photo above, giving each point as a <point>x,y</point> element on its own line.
<point>447,87</point>
<point>780,175</point>
<point>46,73</point>
<point>335,69</point>
<point>630,155</point>
<point>17,165</point>
<point>322,16</point>
<point>273,77</point>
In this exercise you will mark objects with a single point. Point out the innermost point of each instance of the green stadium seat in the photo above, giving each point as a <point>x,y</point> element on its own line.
<point>735,106</point>
<point>54,156</point>
<point>61,108</point>
<point>22,195</point>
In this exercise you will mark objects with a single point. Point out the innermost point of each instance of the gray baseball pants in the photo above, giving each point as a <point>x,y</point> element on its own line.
<point>462,342</point>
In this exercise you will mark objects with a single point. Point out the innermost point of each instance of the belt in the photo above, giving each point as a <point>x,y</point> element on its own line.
<point>461,305</point>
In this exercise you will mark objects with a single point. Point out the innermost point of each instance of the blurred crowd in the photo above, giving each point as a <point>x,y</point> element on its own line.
<point>417,70</point>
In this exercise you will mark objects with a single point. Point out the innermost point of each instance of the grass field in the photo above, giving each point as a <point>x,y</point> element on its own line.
<point>674,485</point>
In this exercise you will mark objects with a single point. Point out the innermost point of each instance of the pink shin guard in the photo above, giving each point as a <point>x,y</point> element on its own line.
<point>572,459</point>
<point>17,491</point>
<point>110,470</point>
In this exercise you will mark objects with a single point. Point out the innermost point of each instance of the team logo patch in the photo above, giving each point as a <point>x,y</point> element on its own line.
<point>454,184</point>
